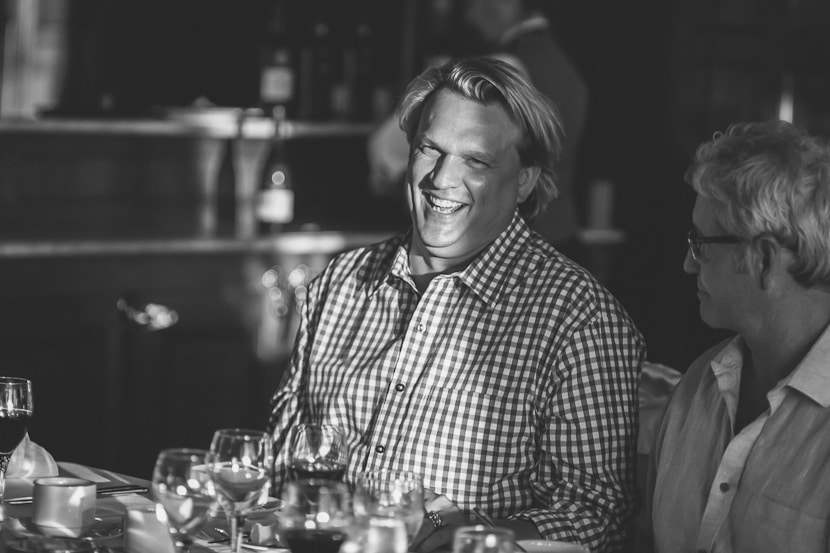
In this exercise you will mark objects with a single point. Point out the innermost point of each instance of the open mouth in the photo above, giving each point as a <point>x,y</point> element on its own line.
<point>442,206</point>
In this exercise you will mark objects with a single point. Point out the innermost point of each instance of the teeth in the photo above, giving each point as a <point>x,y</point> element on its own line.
<point>444,206</point>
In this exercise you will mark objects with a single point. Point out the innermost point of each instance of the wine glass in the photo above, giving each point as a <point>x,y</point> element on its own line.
<point>316,515</point>
<point>15,413</point>
<point>317,451</point>
<point>483,539</point>
<point>182,486</point>
<point>240,463</point>
<point>391,493</point>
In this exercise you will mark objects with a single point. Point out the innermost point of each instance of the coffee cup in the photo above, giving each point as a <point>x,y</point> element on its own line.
<point>63,506</point>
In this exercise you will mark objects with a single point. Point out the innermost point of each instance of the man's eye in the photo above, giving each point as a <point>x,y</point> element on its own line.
<point>427,149</point>
<point>477,163</point>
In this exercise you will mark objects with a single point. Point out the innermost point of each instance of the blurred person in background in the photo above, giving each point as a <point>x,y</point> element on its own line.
<point>741,461</point>
<point>518,33</point>
<point>468,349</point>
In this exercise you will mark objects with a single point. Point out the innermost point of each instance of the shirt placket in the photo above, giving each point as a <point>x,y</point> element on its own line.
<point>418,342</point>
<point>725,484</point>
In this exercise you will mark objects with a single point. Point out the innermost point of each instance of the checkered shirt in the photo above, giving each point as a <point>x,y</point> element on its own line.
<point>510,385</point>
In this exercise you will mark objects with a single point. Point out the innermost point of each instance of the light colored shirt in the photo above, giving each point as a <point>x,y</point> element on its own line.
<point>766,489</point>
<point>510,385</point>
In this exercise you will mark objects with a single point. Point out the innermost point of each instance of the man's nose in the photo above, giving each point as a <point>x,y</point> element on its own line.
<point>446,173</point>
<point>690,264</point>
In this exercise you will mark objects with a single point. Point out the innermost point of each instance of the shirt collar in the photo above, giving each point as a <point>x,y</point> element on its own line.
<point>502,264</point>
<point>726,366</point>
<point>396,265</point>
<point>492,273</point>
<point>812,376</point>
<point>535,23</point>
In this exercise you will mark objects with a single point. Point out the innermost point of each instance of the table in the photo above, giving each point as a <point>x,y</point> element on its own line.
<point>111,510</point>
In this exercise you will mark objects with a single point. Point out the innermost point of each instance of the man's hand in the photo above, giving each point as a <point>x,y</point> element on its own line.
<point>441,519</point>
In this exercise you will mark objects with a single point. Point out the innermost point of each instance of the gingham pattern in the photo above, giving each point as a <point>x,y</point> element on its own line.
<point>511,385</point>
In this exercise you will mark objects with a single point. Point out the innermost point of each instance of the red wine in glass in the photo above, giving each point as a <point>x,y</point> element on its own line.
<point>302,540</point>
<point>321,470</point>
<point>317,451</point>
<point>13,428</point>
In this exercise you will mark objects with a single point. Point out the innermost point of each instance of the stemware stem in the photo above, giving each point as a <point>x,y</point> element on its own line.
<point>4,464</point>
<point>237,522</point>
<point>183,544</point>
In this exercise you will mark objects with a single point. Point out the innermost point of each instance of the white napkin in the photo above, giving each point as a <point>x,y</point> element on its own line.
<point>145,531</point>
<point>30,460</point>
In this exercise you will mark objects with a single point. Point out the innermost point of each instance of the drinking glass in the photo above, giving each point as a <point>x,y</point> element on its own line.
<point>182,486</point>
<point>384,535</point>
<point>391,493</point>
<point>15,414</point>
<point>317,451</point>
<point>240,463</point>
<point>483,539</point>
<point>316,516</point>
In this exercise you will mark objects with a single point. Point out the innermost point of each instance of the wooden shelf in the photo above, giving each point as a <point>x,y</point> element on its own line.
<point>208,125</point>
<point>289,243</point>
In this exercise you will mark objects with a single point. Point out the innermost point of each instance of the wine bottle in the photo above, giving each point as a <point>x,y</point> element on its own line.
<point>275,200</point>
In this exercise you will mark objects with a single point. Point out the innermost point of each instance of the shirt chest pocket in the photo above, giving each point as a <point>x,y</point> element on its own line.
<point>771,526</point>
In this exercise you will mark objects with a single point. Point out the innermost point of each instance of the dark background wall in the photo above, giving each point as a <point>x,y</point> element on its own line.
<point>663,75</point>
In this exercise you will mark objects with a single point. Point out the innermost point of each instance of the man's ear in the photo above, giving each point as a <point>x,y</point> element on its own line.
<point>769,261</point>
<point>528,176</point>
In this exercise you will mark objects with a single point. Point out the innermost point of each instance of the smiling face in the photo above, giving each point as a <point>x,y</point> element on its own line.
<point>725,294</point>
<point>464,180</point>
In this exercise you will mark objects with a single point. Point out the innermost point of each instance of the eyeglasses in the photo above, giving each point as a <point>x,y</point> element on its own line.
<point>696,241</point>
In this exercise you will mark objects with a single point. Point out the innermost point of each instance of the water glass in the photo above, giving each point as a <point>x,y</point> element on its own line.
<point>240,464</point>
<point>393,494</point>
<point>183,488</point>
<point>384,535</point>
<point>483,539</point>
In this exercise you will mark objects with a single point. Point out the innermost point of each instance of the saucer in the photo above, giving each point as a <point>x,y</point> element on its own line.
<point>44,544</point>
<point>101,530</point>
<point>258,512</point>
<point>544,546</point>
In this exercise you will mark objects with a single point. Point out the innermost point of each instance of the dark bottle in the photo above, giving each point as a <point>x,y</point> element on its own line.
<point>275,199</point>
<point>226,191</point>
<point>277,72</point>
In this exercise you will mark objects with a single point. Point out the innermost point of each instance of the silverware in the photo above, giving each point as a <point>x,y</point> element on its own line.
<point>226,537</point>
<point>115,490</point>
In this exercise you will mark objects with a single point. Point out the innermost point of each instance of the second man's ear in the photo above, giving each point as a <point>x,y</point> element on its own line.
<point>527,181</point>
<point>770,259</point>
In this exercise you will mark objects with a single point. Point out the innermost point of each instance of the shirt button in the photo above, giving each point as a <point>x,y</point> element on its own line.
<point>400,387</point>
<point>420,327</point>
<point>724,487</point>
<point>380,449</point>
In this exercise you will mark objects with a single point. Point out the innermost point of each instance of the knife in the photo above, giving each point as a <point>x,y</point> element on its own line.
<point>113,490</point>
